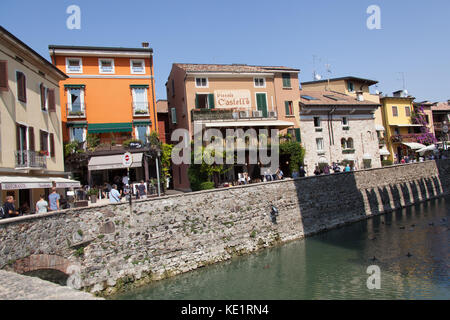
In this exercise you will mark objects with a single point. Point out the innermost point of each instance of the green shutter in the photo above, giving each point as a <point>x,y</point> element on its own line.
<point>286,105</point>
<point>298,135</point>
<point>211,100</point>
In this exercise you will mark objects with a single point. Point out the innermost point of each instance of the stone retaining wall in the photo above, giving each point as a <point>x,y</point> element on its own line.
<point>108,248</point>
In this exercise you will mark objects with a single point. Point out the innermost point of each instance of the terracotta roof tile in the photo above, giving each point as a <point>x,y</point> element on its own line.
<point>237,68</point>
<point>330,97</point>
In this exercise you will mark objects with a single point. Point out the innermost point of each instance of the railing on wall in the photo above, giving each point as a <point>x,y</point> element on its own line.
<point>30,159</point>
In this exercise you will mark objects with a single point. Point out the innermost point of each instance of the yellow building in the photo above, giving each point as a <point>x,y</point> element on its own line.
<point>31,147</point>
<point>404,136</point>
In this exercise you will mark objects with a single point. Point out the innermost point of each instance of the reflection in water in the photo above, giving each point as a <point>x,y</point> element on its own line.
<point>410,246</point>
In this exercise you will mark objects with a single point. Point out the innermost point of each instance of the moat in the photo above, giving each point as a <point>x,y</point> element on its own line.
<point>410,246</point>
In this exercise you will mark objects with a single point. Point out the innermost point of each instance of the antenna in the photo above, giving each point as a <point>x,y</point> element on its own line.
<point>316,76</point>
<point>328,68</point>
<point>403,79</point>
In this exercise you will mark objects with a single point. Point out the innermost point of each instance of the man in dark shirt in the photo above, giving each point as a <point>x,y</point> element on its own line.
<point>142,190</point>
<point>10,208</point>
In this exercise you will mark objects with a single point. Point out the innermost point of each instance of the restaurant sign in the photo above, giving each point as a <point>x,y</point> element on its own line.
<point>232,98</point>
<point>24,185</point>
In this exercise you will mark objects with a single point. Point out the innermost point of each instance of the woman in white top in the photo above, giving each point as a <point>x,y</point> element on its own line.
<point>41,205</point>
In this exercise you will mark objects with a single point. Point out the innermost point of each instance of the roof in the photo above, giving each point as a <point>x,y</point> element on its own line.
<point>330,97</point>
<point>411,98</point>
<point>33,53</point>
<point>441,106</point>
<point>368,81</point>
<point>63,47</point>
<point>235,68</point>
<point>162,106</point>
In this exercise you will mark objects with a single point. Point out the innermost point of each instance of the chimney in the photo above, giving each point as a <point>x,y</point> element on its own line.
<point>359,96</point>
<point>145,44</point>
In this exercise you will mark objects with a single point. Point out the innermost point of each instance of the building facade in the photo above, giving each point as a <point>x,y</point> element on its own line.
<point>441,118</point>
<point>31,138</point>
<point>163,121</point>
<point>358,88</point>
<point>338,128</point>
<point>231,97</point>
<point>108,101</point>
<point>404,133</point>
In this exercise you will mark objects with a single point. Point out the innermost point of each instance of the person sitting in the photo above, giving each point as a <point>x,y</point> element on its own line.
<point>114,195</point>
<point>10,208</point>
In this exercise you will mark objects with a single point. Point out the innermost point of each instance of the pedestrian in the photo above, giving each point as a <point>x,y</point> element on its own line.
<point>279,174</point>
<point>317,171</point>
<point>53,200</point>
<point>9,208</point>
<point>302,172</point>
<point>347,168</point>
<point>127,192</point>
<point>402,161</point>
<point>114,195</point>
<point>41,205</point>
<point>326,169</point>
<point>142,190</point>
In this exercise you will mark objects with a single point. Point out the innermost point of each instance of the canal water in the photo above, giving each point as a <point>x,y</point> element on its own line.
<point>410,246</point>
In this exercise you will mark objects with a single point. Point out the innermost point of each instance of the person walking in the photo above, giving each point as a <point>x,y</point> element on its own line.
<point>53,200</point>
<point>347,168</point>
<point>41,205</point>
<point>142,190</point>
<point>114,195</point>
<point>302,172</point>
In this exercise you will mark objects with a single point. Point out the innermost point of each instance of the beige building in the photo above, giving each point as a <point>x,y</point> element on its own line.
<point>338,128</point>
<point>31,147</point>
<point>231,97</point>
<point>357,88</point>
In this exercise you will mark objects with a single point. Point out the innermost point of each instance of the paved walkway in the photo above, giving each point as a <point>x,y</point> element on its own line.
<point>14,286</point>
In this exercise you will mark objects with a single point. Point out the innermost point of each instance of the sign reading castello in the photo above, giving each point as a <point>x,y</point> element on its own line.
<point>232,98</point>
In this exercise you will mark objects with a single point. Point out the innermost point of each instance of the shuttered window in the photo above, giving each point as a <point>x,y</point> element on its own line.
<point>286,80</point>
<point>21,86</point>
<point>43,90</point>
<point>174,115</point>
<point>298,135</point>
<point>51,100</point>
<point>288,107</point>
<point>31,138</point>
<point>52,145</point>
<point>4,76</point>
<point>211,100</point>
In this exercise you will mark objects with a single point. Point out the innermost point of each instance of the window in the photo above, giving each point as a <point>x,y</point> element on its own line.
<point>204,101</point>
<point>44,97</point>
<point>21,86</point>
<point>74,65</point>
<point>137,66</point>
<point>260,82</point>
<point>351,87</point>
<point>141,133</point>
<point>140,102</point>
<point>407,111</point>
<point>345,121</point>
<point>201,82</point>
<point>173,88</point>
<point>21,137</point>
<point>349,143</point>
<point>319,144</point>
<point>317,122</point>
<point>173,113</point>
<point>394,111</point>
<point>286,80</point>
<point>77,134</point>
<point>288,107</point>
<point>4,76</point>
<point>75,101</point>
<point>106,65</point>
<point>44,137</point>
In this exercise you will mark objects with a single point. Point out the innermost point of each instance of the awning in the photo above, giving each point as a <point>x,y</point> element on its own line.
<point>379,127</point>
<point>142,123</point>
<point>22,182</point>
<point>65,183</point>
<point>323,160</point>
<point>384,152</point>
<point>113,162</point>
<point>414,145</point>
<point>255,123</point>
<point>406,125</point>
<point>349,157</point>
<point>110,127</point>
<point>77,124</point>
<point>429,148</point>
<point>367,156</point>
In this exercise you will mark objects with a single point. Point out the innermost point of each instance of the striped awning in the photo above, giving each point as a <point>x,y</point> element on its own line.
<point>110,127</point>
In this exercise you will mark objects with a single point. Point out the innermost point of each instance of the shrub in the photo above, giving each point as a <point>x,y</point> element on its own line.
<point>385,163</point>
<point>207,185</point>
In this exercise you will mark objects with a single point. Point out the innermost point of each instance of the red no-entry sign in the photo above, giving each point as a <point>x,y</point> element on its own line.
<point>127,159</point>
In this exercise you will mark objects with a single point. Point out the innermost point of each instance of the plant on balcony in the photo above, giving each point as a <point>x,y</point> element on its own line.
<point>425,137</point>
<point>73,147</point>
<point>127,143</point>
<point>43,153</point>
<point>76,113</point>
<point>92,141</point>
<point>140,111</point>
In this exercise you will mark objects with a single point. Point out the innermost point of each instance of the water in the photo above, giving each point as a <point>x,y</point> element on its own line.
<point>332,265</point>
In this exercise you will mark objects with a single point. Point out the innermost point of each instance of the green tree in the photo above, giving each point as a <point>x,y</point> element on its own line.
<point>296,153</point>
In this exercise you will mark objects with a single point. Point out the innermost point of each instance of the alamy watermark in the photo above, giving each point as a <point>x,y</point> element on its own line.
<point>74,20</point>
<point>374,280</point>
<point>374,20</point>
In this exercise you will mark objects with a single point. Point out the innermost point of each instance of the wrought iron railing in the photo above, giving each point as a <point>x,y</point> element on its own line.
<point>30,159</point>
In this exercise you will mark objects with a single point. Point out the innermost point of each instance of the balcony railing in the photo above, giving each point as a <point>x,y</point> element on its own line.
<point>413,137</point>
<point>140,109</point>
<point>30,159</point>
<point>230,114</point>
<point>76,111</point>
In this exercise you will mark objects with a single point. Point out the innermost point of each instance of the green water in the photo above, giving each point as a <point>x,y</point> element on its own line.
<point>332,265</point>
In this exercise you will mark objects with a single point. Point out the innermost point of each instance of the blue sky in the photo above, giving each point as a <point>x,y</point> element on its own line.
<point>414,38</point>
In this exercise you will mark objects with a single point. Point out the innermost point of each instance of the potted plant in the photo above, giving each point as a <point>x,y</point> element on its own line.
<point>93,194</point>
<point>43,153</point>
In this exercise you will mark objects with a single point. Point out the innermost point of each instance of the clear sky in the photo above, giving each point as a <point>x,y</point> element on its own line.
<point>414,38</point>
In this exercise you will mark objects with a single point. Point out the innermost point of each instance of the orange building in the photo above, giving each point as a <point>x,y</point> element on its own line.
<point>110,95</point>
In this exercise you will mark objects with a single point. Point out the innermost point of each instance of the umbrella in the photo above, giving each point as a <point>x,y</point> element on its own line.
<point>429,148</point>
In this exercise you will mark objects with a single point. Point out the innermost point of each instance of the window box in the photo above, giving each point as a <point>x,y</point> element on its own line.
<point>44,153</point>
<point>320,153</point>
<point>348,151</point>
<point>346,128</point>
<point>319,129</point>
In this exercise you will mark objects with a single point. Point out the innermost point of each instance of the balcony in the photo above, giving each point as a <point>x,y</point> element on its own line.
<point>140,109</point>
<point>76,111</point>
<point>30,160</point>
<point>229,114</point>
<point>413,137</point>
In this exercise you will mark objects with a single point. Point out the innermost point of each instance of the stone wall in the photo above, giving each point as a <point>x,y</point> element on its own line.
<point>110,247</point>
